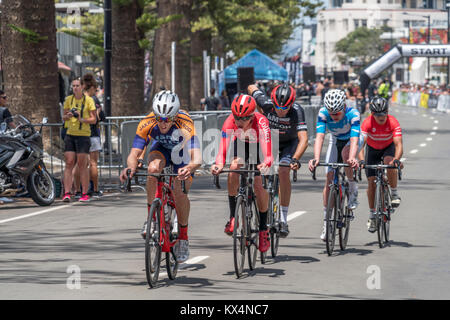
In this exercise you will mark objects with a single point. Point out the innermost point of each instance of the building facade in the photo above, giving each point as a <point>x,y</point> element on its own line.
<point>407,18</point>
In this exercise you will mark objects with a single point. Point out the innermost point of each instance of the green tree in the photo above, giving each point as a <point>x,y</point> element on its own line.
<point>363,44</point>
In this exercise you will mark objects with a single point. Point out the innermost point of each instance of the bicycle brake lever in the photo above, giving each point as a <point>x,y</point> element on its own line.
<point>294,176</point>
<point>216,182</point>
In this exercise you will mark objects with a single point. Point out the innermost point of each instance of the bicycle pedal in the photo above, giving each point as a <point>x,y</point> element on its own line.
<point>340,225</point>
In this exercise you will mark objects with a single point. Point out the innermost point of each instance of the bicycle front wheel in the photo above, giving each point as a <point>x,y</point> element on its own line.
<point>331,221</point>
<point>253,235</point>
<point>171,260</point>
<point>344,227</point>
<point>153,245</point>
<point>275,229</point>
<point>239,236</point>
<point>379,204</point>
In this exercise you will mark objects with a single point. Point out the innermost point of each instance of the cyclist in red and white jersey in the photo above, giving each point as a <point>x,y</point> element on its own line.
<point>383,135</point>
<point>249,132</point>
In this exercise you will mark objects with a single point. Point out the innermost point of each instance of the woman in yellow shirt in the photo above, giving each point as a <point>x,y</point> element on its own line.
<point>79,112</point>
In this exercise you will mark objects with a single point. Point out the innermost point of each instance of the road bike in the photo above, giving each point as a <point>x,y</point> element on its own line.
<point>271,183</point>
<point>339,215</point>
<point>383,201</point>
<point>162,227</point>
<point>246,217</point>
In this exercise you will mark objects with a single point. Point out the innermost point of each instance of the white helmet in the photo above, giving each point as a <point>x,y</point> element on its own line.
<point>166,104</point>
<point>334,100</point>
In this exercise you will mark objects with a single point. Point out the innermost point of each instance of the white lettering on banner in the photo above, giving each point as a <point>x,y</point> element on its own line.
<point>431,50</point>
<point>374,281</point>
<point>74,280</point>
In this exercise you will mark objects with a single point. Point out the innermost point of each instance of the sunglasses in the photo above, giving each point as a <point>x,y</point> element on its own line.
<point>380,114</point>
<point>242,118</point>
<point>165,119</point>
<point>336,114</point>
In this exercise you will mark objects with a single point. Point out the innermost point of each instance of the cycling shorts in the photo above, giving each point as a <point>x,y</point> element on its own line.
<point>287,151</point>
<point>172,157</point>
<point>375,156</point>
<point>247,151</point>
<point>335,147</point>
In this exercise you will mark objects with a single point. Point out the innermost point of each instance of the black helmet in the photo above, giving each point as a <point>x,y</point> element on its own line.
<point>378,105</point>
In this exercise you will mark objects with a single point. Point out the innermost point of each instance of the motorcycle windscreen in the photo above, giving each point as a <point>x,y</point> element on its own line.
<point>15,158</point>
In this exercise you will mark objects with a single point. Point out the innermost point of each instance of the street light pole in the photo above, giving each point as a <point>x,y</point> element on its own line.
<point>428,41</point>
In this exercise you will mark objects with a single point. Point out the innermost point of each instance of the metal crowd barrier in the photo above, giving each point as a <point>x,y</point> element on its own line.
<point>421,99</point>
<point>122,130</point>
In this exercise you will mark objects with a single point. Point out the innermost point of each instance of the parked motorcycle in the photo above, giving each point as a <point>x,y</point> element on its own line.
<point>21,161</point>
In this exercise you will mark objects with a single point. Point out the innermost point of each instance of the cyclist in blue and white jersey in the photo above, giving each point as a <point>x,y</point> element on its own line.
<point>345,142</point>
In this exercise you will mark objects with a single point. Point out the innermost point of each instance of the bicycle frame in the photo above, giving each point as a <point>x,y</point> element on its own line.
<point>164,195</point>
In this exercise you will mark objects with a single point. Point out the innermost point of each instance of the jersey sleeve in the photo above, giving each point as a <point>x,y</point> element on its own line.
<point>365,126</point>
<point>301,121</point>
<point>186,124</point>
<point>263,101</point>
<point>143,132</point>
<point>395,126</point>
<point>265,139</point>
<point>355,122</point>
<point>321,126</point>
<point>227,130</point>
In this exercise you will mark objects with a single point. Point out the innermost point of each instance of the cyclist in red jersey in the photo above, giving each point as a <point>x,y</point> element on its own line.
<point>383,135</point>
<point>249,131</point>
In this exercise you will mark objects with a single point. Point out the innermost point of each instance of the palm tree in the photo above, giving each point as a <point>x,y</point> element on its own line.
<point>29,58</point>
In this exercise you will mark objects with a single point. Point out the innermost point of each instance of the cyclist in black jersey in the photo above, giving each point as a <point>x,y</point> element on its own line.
<point>288,117</point>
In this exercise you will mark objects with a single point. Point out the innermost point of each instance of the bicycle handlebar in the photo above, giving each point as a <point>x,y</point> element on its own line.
<point>384,166</point>
<point>239,171</point>
<point>156,175</point>
<point>328,164</point>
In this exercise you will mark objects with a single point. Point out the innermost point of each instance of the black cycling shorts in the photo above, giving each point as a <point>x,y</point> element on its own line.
<point>247,151</point>
<point>375,156</point>
<point>77,144</point>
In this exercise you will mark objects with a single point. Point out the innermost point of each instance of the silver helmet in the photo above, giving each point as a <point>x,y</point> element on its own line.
<point>334,100</point>
<point>166,104</point>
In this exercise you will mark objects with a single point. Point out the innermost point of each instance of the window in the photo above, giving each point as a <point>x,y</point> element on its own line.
<point>364,23</point>
<point>413,4</point>
<point>356,22</point>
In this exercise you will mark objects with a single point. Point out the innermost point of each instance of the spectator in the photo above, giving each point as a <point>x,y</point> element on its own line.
<point>212,102</point>
<point>79,112</point>
<point>90,88</point>
<point>224,100</point>
<point>5,115</point>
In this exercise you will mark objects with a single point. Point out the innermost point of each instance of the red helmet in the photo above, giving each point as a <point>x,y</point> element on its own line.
<point>243,105</point>
<point>283,96</point>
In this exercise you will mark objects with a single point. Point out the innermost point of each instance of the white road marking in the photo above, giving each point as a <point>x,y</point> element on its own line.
<point>433,133</point>
<point>424,115</point>
<point>403,159</point>
<point>429,139</point>
<point>295,214</point>
<point>435,128</point>
<point>436,121</point>
<point>49,210</point>
<point>414,151</point>
<point>34,214</point>
<point>423,145</point>
<point>187,263</point>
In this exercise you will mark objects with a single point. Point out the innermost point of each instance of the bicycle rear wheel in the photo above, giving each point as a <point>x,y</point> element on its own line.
<point>239,236</point>
<point>331,221</point>
<point>253,235</point>
<point>344,227</point>
<point>171,260</point>
<point>275,229</point>
<point>152,244</point>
